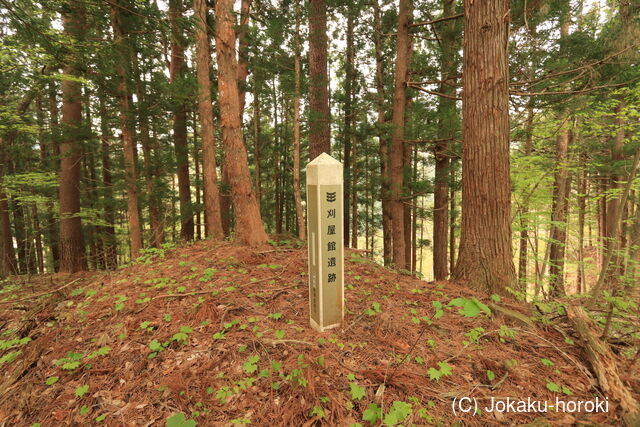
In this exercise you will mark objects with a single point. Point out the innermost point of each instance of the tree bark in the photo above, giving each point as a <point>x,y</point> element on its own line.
<point>452,222</point>
<point>9,263</point>
<point>406,204</point>
<point>108,232</point>
<point>354,196</point>
<point>319,115</point>
<point>296,128</point>
<point>249,226</point>
<point>151,172</point>
<point>72,250</point>
<point>256,138</point>
<point>213,219</point>
<point>397,139</point>
<point>53,232</point>
<point>612,227</point>
<point>243,52</point>
<point>382,139</point>
<point>524,223</point>
<point>123,68</point>
<point>582,208</point>
<point>559,215</point>
<point>348,120</point>
<point>485,260</point>
<point>560,208</point>
<point>176,72</point>
<point>447,124</point>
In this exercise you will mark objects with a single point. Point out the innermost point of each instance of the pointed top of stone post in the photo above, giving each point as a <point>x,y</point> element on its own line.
<point>324,170</point>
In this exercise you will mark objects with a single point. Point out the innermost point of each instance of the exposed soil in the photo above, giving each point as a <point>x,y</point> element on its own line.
<point>246,352</point>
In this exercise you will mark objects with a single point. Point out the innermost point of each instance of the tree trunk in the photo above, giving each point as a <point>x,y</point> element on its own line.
<point>354,196</point>
<point>108,232</point>
<point>9,264</point>
<point>123,68</point>
<point>559,215</point>
<point>447,124</point>
<point>296,127</point>
<point>452,223</point>
<point>485,260</point>
<point>277,161</point>
<point>319,115</point>
<point>560,208</point>
<point>243,52</point>
<point>249,227</point>
<point>53,231</point>
<point>176,73</point>
<point>582,208</point>
<point>44,155</point>
<point>414,213</point>
<point>197,177</point>
<point>524,223</point>
<point>348,120</point>
<point>382,139</point>
<point>256,138</point>
<point>149,147</point>
<point>612,227</point>
<point>25,261</point>
<point>397,140</point>
<point>406,203</point>
<point>213,219</point>
<point>72,250</point>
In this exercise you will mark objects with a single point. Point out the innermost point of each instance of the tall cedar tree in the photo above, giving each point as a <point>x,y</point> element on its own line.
<point>108,231</point>
<point>213,220</point>
<point>149,149</point>
<point>348,120</point>
<point>319,115</point>
<point>383,138</point>
<point>123,68</point>
<point>561,190</point>
<point>249,226</point>
<point>447,120</point>
<point>9,265</point>
<point>176,72</point>
<point>296,125</point>
<point>72,250</point>
<point>485,260</point>
<point>397,140</point>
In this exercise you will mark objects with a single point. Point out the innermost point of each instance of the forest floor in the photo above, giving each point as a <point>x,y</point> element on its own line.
<point>218,334</point>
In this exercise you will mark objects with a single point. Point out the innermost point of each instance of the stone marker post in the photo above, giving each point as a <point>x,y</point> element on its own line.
<point>326,251</point>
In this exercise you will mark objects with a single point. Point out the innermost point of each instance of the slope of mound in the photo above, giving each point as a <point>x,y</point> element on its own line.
<point>218,334</point>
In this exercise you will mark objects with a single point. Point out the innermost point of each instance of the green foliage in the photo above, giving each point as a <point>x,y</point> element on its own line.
<point>179,420</point>
<point>183,335</point>
<point>553,386</point>
<point>398,412</point>
<point>470,307</point>
<point>250,366</point>
<point>10,357</point>
<point>71,361</point>
<point>51,380</point>
<point>444,370</point>
<point>5,345</point>
<point>82,390</point>
<point>372,414</point>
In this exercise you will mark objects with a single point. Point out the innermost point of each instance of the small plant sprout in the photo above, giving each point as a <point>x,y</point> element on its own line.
<point>82,390</point>
<point>179,420</point>
<point>250,366</point>
<point>444,370</point>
